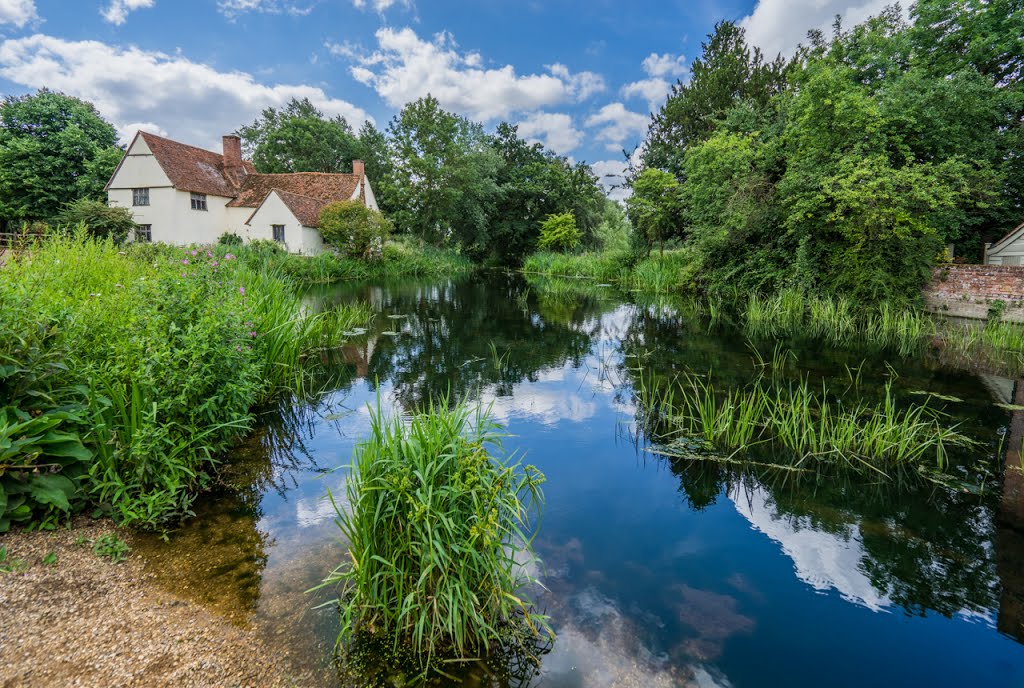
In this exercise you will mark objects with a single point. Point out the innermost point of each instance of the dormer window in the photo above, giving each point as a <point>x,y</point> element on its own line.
<point>198,201</point>
<point>140,196</point>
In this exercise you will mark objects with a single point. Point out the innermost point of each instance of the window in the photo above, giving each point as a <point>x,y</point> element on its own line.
<point>198,201</point>
<point>140,196</point>
<point>144,234</point>
<point>278,233</point>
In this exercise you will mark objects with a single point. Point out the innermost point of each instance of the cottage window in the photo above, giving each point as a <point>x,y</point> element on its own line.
<point>144,234</point>
<point>140,196</point>
<point>198,201</point>
<point>278,233</point>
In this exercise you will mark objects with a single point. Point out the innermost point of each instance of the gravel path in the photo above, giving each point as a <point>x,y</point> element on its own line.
<point>85,621</point>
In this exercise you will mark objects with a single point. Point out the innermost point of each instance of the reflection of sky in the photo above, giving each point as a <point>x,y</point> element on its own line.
<point>645,591</point>
<point>822,560</point>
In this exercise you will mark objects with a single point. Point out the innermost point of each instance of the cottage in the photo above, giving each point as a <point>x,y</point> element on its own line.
<point>180,194</point>
<point>1007,251</point>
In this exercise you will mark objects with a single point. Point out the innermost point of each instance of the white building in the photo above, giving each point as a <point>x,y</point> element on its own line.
<point>180,194</point>
<point>1007,251</point>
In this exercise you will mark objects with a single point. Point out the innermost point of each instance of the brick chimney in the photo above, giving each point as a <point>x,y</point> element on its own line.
<point>233,153</point>
<point>357,168</point>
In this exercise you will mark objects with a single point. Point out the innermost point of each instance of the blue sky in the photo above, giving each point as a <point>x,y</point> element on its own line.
<point>580,77</point>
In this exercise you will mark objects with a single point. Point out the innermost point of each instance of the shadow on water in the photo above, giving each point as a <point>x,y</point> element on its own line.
<point>658,571</point>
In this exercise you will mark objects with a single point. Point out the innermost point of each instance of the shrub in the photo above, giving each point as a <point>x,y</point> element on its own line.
<point>559,233</point>
<point>229,239</point>
<point>98,218</point>
<point>439,533</point>
<point>354,229</point>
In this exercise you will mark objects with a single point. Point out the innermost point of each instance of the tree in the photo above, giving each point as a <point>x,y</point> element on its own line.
<point>655,208</point>
<point>299,139</point>
<point>444,188</point>
<point>559,233</point>
<point>374,150</point>
<point>727,73</point>
<point>98,218</point>
<point>354,229</point>
<point>54,149</point>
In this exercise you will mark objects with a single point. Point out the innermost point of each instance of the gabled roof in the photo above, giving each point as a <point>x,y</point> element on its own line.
<point>195,169</point>
<point>305,209</point>
<point>1007,240</point>
<point>323,186</point>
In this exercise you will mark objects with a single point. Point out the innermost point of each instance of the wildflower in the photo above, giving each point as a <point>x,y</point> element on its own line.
<point>229,256</point>
<point>241,290</point>
<point>184,261</point>
<point>182,274</point>
<point>253,334</point>
<point>215,263</point>
<point>193,252</point>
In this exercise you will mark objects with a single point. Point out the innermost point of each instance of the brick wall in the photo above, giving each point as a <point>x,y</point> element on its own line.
<point>968,291</point>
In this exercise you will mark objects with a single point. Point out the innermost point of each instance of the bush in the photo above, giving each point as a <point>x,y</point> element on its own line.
<point>98,218</point>
<point>354,229</point>
<point>229,239</point>
<point>559,233</point>
<point>164,351</point>
<point>439,533</point>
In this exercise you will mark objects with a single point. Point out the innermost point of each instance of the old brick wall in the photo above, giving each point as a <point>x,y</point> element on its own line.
<point>968,291</point>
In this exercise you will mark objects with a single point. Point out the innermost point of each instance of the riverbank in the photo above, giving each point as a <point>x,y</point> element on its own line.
<point>83,620</point>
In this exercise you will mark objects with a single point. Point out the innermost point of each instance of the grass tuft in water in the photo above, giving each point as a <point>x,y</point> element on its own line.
<point>438,522</point>
<point>811,429</point>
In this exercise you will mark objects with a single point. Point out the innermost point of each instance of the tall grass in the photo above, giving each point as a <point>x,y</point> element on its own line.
<point>796,426</point>
<point>670,272</point>
<point>174,348</point>
<point>439,527</point>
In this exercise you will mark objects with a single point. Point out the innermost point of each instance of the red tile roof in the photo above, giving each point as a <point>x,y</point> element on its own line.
<point>195,169</point>
<point>305,209</point>
<point>318,185</point>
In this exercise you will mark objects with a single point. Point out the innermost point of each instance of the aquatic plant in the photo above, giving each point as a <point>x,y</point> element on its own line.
<point>798,427</point>
<point>438,522</point>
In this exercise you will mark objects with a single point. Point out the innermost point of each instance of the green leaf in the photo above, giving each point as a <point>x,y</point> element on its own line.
<point>3,499</point>
<point>52,489</point>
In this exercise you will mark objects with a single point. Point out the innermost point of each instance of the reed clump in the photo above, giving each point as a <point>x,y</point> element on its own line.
<point>439,524</point>
<point>796,426</point>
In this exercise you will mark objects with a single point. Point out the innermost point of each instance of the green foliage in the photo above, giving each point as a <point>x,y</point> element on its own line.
<point>99,219</point>
<point>655,208</point>
<point>559,233</point>
<point>728,73</point>
<point>130,372</point>
<point>354,229</point>
<point>42,419</point>
<point>11,565</point>
<point>298,138</point>
<point>847,170</point>
<point>807,430</point>
<point>112,547</point>
<point>53,149</point>
<point>438,522</point>
<point>229,239</point>
<point>613,233</point>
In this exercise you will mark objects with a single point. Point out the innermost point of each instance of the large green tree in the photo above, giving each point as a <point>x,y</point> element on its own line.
<point>299,138</point>
<point>54,149</point>
<point>444,172</point>
<point>728,72</point>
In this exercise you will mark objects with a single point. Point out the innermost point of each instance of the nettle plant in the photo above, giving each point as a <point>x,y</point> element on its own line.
<point>438,519</point>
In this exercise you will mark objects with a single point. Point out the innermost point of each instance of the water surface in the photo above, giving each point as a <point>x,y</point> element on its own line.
<point>660,572</point>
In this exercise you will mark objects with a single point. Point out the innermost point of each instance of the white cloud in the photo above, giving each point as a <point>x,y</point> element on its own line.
<point>666,65</point>
<point>555,130</point>
<point>778,26</point>
<point>611,175</point>
<point>195,102</point>
<point>118,10</point>
<point>617,125</point>
<point>380,5</point>
<point>17,12</point>
<point>405,67</point>
<point>659,69</point>
<point>232,8</point>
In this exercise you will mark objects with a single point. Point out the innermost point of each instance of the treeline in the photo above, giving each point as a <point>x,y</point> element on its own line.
<point>442,178</point>
<point>849,168</point>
